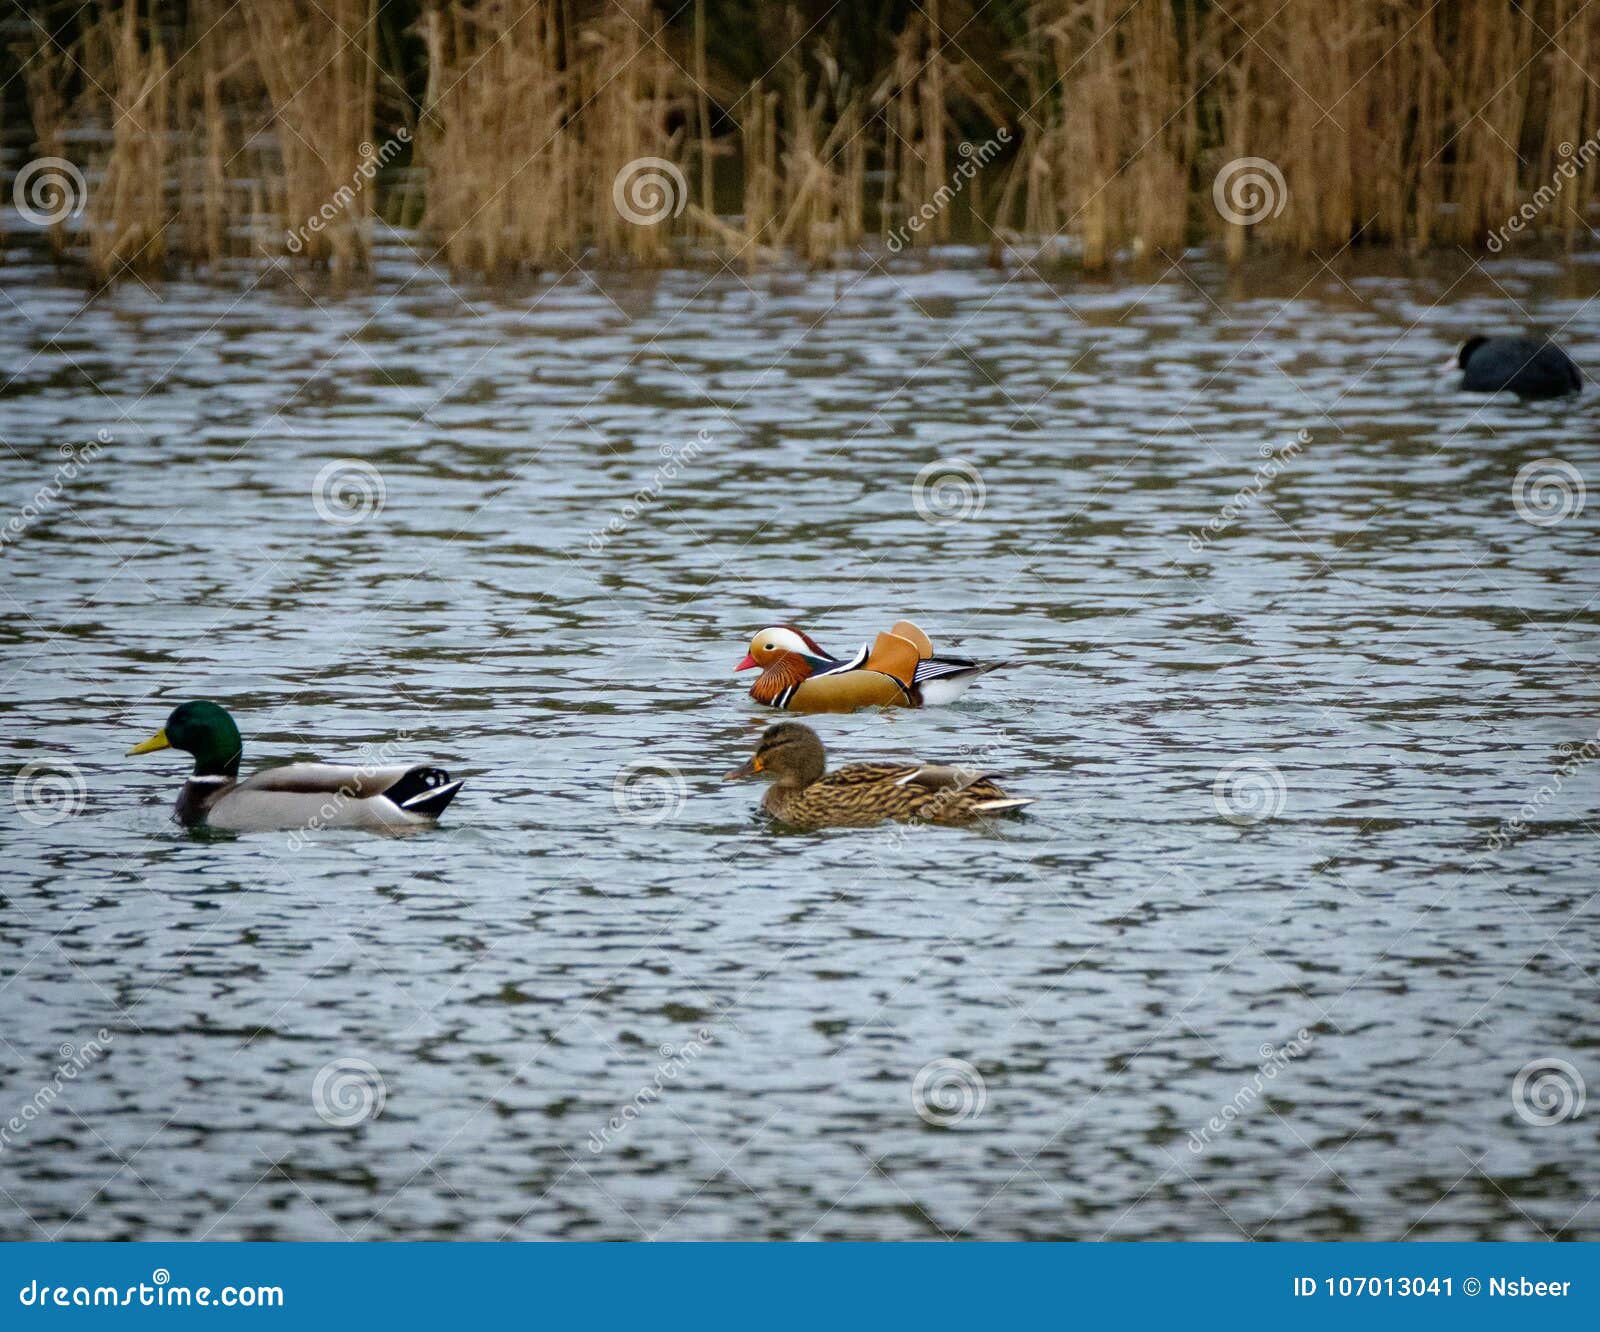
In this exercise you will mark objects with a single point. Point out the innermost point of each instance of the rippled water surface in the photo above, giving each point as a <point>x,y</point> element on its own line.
<point>587,1024</point>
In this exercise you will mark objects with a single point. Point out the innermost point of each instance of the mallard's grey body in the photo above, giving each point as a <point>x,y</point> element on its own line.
<point>318,795</point>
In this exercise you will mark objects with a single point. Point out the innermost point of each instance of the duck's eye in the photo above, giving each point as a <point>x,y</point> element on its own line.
<point>769,647</point>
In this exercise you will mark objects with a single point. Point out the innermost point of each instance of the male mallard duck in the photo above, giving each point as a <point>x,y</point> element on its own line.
<point>897,670</point>
<point>805,794</point>
<point>298,795</point>
<point>1529,369</point>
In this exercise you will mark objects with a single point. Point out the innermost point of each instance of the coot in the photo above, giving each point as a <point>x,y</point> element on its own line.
<point>1529,369</point>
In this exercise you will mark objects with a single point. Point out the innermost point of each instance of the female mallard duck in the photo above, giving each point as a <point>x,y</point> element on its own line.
<point>897,670</point>
<point>805,794</point>
<point>298,795</point>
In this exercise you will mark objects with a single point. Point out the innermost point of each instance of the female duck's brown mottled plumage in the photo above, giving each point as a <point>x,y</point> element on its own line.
<point>805,794</point>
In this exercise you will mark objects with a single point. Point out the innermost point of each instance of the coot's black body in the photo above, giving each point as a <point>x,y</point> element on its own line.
<point>1527,368</point>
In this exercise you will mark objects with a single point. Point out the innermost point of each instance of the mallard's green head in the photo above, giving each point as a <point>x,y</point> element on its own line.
<point>204,729</point>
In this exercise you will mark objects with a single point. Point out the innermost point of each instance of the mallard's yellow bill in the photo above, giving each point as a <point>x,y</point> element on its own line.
<point>155,742</point>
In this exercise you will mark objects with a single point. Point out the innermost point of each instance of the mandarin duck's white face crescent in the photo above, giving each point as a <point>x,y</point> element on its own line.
<point>767,645</point>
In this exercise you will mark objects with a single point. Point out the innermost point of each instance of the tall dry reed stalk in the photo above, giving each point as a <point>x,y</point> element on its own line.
<point>1411,125</point>
<point>130,211</point>
<point>820,172</point>
<point>536,128</point>
<point>495,140</point>
<point>46,67</point>
<point>1108,132</point>
<point>218,135</point>
<point>317,59</point>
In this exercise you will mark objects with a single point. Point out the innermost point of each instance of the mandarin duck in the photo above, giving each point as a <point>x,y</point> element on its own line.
<point>898,669</point>
<point>297,795</point>
<point>805,794</point>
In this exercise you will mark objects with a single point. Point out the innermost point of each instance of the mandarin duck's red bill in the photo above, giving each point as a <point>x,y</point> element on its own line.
<point>896,670</point>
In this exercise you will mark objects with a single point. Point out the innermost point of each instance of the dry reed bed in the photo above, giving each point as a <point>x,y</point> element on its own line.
<point>215,130</point>
<point>229,131</point>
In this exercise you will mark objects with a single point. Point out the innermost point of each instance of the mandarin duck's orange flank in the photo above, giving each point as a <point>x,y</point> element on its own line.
<point>805,794</point>
<point>898,669</point>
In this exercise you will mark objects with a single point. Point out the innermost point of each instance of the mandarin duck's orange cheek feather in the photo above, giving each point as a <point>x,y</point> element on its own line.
<point>786,673</point>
